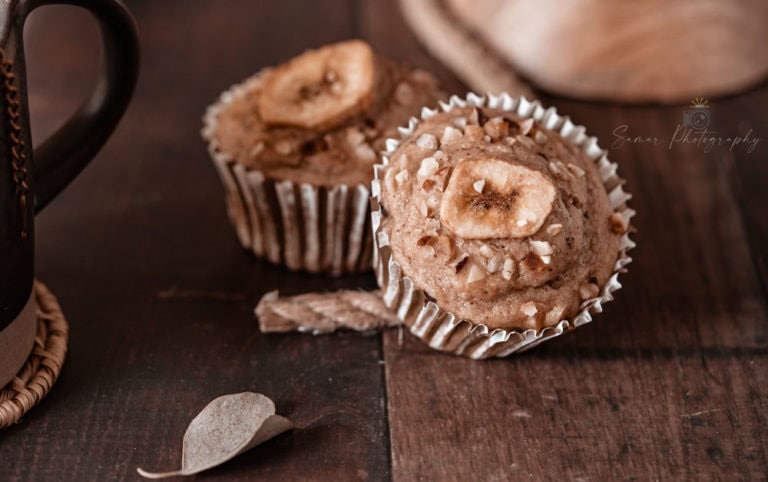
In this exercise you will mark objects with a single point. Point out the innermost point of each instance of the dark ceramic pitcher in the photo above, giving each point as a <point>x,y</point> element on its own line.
<point>29,180</point>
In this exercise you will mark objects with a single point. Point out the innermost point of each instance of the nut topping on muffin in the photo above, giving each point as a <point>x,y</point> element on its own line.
<point>427,141</point>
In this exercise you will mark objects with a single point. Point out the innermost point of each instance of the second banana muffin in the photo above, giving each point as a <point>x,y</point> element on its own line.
<point>294,146</point>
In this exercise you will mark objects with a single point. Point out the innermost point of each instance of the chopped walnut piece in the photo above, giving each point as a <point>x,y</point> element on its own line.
<point>559,170</point>
<point>497,128</point>
<point>588,291</point>
<point>618,226</point>
<point>427,141</point>
<point>529,308</point>
<point>508,269</point>
<point>542,248</point>
<point>450,135</point>
<point>402,176</point>
<point>540,138</point>
<point>429,167</point>
<point>554,316</point>
<point>576,170</point>
<point>475,274</point>
<point>525,126</point>
<point>486,251</point>
<point>474,133</point>
<point>495,264</point>
<point>554,229</point>
<point>443,247</point>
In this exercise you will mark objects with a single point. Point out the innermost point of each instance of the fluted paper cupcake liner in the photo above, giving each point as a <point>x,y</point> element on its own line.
<point>442,330</point>
<point>314,228</point>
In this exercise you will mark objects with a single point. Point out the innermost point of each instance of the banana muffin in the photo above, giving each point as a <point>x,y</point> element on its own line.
<point>497,219</point>
<point>295,147</point>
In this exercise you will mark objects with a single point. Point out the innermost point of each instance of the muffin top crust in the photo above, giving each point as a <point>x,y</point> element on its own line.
<point>497,219</point>
<point>322,117</point>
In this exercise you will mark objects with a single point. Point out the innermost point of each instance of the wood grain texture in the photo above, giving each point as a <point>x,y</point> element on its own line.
<point>629,52</point>
<point>575,415</point>
<point>667,384</point>
<point>748,172</point>
<point>158,293</point>
<point>693,283</point>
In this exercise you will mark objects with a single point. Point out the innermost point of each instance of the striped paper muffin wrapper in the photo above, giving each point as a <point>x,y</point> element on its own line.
<point>443,330</point>
<point>304,227</point>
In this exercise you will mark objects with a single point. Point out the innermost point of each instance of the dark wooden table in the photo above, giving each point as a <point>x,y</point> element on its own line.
<point>671,383</point>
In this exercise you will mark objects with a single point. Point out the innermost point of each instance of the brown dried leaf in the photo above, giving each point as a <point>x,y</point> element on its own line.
<point>225,428</point>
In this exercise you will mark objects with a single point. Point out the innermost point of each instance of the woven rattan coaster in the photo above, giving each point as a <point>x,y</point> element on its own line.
<point>42,368</point>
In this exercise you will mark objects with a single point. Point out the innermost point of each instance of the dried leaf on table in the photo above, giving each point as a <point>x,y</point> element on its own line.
<point>225,428</point>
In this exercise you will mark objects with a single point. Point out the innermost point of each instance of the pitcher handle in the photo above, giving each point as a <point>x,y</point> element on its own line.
<point>59,159</point>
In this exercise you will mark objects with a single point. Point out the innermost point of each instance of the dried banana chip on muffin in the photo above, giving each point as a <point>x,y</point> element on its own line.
<point>489,197</point>
<point>320,88</point>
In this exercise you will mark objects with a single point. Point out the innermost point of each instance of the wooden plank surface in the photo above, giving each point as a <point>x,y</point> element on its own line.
<point>748,173</point>
<point>668,384</point>
<point>571,414</point>
<point>158,293</point>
